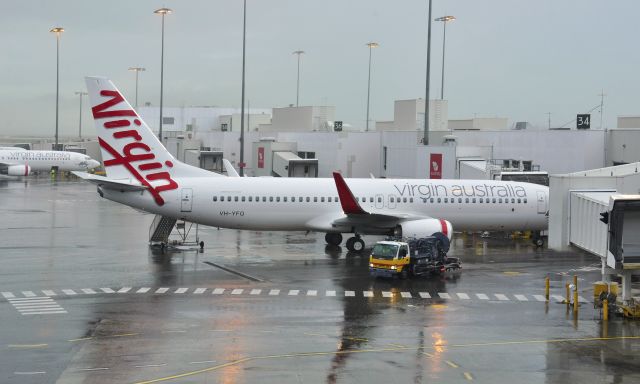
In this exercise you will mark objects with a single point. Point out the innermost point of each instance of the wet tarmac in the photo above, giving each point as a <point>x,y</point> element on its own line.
<point>84,299</point>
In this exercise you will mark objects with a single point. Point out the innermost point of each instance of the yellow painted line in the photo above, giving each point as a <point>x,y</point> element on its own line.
<point>124,335</point>
<point>429,355</point>
<point>438,306</point>
<point>451,364</point>
<point>313,334</point>
<point>81,339</point>
<point>468,376</point>
<point>27,345</point>
<point>397,345</point>
<point>511,273</point>
<point>210,369</point>
<point>377,350</point>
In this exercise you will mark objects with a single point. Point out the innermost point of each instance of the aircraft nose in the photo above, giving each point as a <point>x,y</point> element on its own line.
<point>91,164</point>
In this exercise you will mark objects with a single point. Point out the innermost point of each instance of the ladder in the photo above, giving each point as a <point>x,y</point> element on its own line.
<point>160,229</point>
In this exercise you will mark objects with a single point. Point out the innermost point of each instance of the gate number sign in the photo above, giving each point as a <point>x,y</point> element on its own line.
<point>583,121</point>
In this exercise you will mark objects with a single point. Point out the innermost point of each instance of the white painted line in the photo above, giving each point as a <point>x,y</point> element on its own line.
<point>406,295</point>
<point>367,293</point>
<point>294,292</point>
<point>107,290</point>
<point>29,373</point>
<point>255,291</point>
<point>218,291</point>
<point>199,291</point>
<point>8,295</point>
<point>386,294</point>
<point>237,291</point>
<point>31,301</point>
<point>274,292</point>
<point>482,296</point>
<point>88,291</point>
<point>444,295</point>
<point>330,293</point>
<point>91,369</point>
<point>559,298</point>
<point>124,289</point>
<point>150,365</point>
<point>540,298</point>
<point>312,292</point>
<point>463,296</point>
<point>143,290</point>
<point>54,307</point>
<point>28,294</point>
<point>69,292</point>
<point>582,300</point>
<point>37,304</point>
<point>162,290</point>
<point>425,295</point>
<point>521,297</point>
<point>48,292</point>
<point>349,293</point>
<point>203,362</point>
<point>44,313</point>
<point>501,297</point>
<point>181,290</point>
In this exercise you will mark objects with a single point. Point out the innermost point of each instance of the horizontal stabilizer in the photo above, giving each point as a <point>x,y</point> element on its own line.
<point>231,172</point>
<point>118,185</point>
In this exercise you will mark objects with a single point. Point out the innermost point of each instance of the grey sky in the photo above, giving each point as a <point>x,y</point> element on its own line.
<point>516,59</point>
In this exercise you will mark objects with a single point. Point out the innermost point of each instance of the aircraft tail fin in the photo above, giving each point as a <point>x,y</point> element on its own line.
<point>130,150</point>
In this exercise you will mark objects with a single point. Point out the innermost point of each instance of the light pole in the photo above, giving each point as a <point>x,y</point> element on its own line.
<point>445,20</point>
<point>162,12</point>
<point>371,45</point>
<point>244,32</point>
<point>58,31</point>
<point>80,93</point>
<point>425,137</point>
<point>137,70</point>
<point>299,53</point>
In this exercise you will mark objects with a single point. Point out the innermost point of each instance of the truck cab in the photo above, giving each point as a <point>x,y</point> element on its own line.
<point>389,258</point>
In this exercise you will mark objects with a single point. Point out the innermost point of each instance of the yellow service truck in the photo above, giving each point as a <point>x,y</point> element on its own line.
<point>415,257</point>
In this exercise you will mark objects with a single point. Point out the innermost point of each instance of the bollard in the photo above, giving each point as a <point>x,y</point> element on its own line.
<point>546,288</point>
<point>575,281</point>
<point>605,309</point>
<point>575,302</point>
<point>568,295</point>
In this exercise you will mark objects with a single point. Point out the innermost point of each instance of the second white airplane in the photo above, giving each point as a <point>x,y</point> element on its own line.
<point>142,174</point>
<point>16,161</point>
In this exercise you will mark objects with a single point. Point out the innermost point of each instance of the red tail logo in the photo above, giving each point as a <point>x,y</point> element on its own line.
<point>123,130</point>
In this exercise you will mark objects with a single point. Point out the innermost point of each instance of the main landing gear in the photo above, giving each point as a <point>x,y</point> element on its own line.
<point>537,239</point>
<point>354,244</point>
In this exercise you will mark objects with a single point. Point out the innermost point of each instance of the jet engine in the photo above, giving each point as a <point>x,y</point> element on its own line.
<point>18,170</point>
<point>423,228</point>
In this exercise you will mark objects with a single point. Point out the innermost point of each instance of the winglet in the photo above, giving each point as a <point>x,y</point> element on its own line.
<point>349,203</point>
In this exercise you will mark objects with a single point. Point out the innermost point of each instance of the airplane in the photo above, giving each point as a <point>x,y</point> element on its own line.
<point>15,161</point>
<point>141,173</point>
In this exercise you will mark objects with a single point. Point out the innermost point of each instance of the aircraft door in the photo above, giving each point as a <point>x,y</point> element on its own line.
<point>186,200</point>
<point>379,201</point>
<point>542,202</point>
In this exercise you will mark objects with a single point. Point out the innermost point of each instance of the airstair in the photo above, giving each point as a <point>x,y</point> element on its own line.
<point>160,229</point>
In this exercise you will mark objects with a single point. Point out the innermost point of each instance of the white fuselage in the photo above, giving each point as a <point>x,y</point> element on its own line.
<point>312,204</point>
<point>46,160</point>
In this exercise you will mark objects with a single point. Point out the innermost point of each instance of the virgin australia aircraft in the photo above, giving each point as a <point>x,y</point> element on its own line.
<point>142,174</point>
<point>20,162</point>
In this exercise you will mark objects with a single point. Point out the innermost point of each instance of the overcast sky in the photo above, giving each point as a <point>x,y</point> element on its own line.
<point>507,58</point>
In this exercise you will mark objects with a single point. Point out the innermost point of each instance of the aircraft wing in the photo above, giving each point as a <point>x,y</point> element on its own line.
<point>354,214</point>
<point>118,185</point>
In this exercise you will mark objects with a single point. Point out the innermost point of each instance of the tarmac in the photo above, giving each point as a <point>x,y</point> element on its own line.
<point>85,299</point>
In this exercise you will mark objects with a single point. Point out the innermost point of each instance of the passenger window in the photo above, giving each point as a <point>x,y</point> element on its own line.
<point>525,201</point>
<point>371,199</point>
<point>215,198</point>
<point>242,198</point>
<point>404,199</point>
<point>300,199</point>
<point>466,200</point>
<point>315,199</point>
<point>481,200</point>
<point>364,199</point>
<point>379,199</point>
<point>459,200</point>
<point>308,199</point>
<point>271,198</point>
<point>391,199</point>
<point>322,199</point>
<point>278,199</point>
<point>473,200</point>
<point>284,199</point>
<point>500,200</point>
<point>228,198</point>
<point>513,200</point>
<point>446,199</point>
<point>335,199</point>
<point>431,200</point>
<point>494,200</point>
<point>518,201</point>
<point>264,199</point>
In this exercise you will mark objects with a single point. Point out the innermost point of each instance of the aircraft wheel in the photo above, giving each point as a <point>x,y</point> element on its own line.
<point>349,243</point>
<point>333,238</point>
<point>358,244</point>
